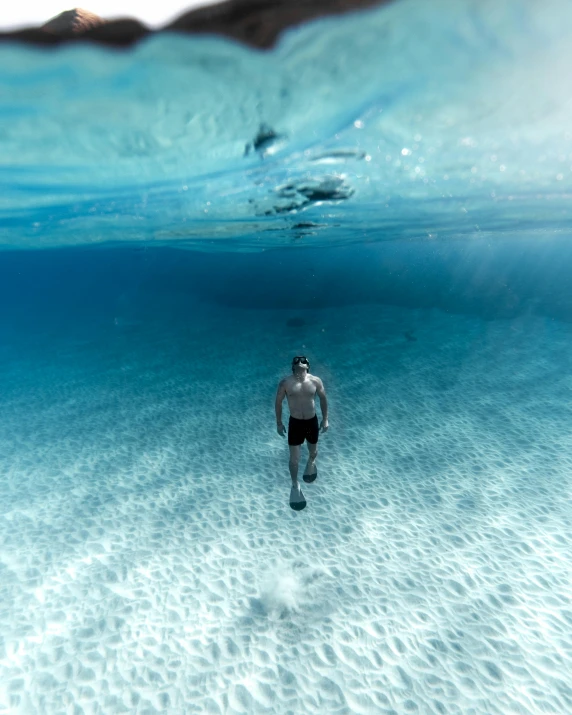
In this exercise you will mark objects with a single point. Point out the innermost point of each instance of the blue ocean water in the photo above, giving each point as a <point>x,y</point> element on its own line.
<point>387,192</point>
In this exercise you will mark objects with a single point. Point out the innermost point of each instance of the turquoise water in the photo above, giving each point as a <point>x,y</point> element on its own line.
<point>387,193</point>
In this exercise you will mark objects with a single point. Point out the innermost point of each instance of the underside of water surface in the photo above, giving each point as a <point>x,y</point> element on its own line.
<point>386,192</point>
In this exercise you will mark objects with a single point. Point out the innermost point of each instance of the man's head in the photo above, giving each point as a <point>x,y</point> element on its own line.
<point>300,364</point>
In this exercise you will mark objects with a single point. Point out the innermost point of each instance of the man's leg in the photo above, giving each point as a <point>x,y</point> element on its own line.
<point>312,434</point>
<point>294,461</point>
<point>297,498</point>
<point>311,464</point>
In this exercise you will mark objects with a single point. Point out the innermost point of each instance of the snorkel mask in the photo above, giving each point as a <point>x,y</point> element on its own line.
<point>300,359</point>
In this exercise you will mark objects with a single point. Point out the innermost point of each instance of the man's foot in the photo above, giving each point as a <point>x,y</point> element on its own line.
<point>309,478</point>
<point>297,499</point>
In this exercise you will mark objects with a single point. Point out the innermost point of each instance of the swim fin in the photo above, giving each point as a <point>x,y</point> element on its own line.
<point>297,498</point>
<point>309,478</point>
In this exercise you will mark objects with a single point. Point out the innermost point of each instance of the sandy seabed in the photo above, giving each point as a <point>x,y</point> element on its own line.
<point>149,560</point>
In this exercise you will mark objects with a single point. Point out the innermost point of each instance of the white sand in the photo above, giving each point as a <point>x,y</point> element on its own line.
<point>149,560</point>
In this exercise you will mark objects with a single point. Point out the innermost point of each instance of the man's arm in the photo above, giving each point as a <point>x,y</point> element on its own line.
<point>280,394</point>
<point>321,392</point>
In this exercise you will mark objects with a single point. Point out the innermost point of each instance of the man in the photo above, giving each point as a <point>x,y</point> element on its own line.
<point>300,389</point>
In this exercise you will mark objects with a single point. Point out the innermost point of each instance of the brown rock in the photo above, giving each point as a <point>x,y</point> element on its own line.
<point>72,22</point>
<point>257,23</point>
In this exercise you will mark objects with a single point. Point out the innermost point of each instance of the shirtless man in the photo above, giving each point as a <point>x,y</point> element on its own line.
<point>300,388</point>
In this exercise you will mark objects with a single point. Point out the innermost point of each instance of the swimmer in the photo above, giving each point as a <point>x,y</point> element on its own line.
<point>300,389</point>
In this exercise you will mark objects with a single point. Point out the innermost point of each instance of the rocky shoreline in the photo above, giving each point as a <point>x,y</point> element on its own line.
<point>257,23</point>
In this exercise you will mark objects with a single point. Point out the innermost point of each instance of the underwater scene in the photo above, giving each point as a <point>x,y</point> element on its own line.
<point>386,193</point>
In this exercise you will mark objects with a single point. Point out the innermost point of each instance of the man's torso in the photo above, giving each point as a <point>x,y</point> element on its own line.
<point>300,396</point>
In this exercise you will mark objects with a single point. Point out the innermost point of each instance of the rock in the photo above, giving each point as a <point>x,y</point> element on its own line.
<point>72,22</point>
<point>258,23</point>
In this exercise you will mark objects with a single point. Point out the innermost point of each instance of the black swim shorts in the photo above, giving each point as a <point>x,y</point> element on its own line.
<point>299,430</point>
